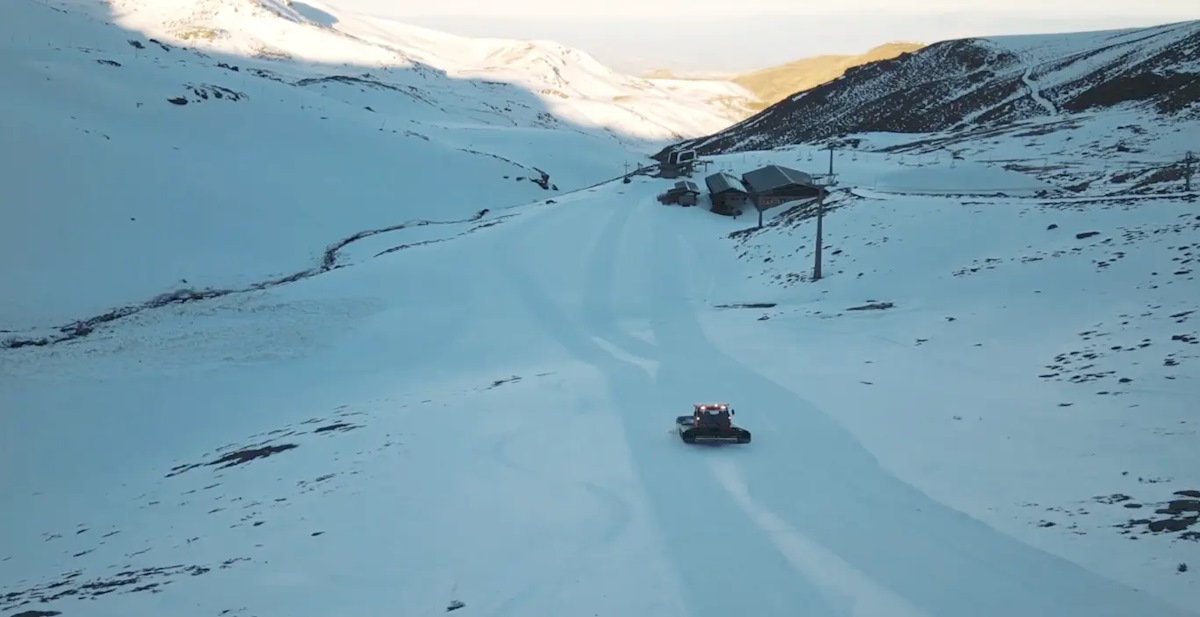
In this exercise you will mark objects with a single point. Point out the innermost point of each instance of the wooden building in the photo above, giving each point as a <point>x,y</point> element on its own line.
<point>728,193</point>
<point>773,185</point>
<point>684,193</point>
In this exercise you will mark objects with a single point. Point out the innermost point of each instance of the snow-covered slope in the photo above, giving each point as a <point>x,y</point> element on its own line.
<point>990,82</point>
<point>1030,361</point>
<point>401,378</point>
<point>982,410</point>
<point>122,142</point>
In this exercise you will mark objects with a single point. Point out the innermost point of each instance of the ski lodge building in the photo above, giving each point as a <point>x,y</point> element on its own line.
<point>773,185</point>
<point>764,188</point>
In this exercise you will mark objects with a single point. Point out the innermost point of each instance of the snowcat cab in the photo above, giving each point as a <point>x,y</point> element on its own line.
<point>711,422</point>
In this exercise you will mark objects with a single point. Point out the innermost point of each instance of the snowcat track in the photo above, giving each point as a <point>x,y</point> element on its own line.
<point>693,435</point>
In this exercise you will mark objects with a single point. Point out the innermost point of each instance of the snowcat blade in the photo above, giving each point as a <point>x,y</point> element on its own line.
<point>699,435</point>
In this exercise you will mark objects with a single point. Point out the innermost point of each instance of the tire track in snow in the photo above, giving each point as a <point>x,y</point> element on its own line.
<point>618,510</point>
<point>848,592</point>
<point>846,586</point>
<point>598,286</point>
<point>767,591</point>
<point>615,510</point>
<point>723,572</point>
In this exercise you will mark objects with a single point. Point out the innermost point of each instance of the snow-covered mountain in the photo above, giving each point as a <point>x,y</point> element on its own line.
<point>570,84</point>
<point>302,336</point>
<point>215,123</point>
<point>991,83</point>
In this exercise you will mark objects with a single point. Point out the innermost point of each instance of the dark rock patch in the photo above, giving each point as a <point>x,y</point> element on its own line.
<point>239,454</point>
<point>1084,364</point>
<point>1180,515</point>
<point>1181,506</point>
<point>306,486</point>
<point>128,580</point>
<point>1171,91</point>
<point>478,215</point>
<point>237,457</point>
<point>872,306</point>
<point>501,382</point>
<point>1177,515</point>
<point>367,80</point>
<point>341,427</point>
<point>1170,524</point>
<point>205,92</point>
<point>749,305</point>
<point>408,246</point>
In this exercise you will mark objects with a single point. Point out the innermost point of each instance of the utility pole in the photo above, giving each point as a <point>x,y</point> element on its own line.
<point>831,159</point>
<point>1188,161</point>
<point>816,276</point>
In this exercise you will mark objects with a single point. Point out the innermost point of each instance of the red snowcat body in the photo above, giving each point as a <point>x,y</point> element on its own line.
<point>711,423</point>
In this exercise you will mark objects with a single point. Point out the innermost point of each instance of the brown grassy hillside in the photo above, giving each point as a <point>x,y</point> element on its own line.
<point>775,83</point>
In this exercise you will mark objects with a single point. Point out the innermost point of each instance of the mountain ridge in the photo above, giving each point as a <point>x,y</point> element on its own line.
<point>963,84</point>
<point>775,83</point>
<point>576,85</point>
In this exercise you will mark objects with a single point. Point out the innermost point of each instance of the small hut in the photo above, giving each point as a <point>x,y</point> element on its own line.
<point>727,192</point>
<point>684,193</point>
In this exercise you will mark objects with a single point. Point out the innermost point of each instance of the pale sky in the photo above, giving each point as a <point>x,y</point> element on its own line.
<point>739,35</point>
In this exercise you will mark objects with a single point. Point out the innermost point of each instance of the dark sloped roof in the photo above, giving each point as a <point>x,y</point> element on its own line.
<point>773,177</point>
<point>721,182</point>
<point>686,186</point>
